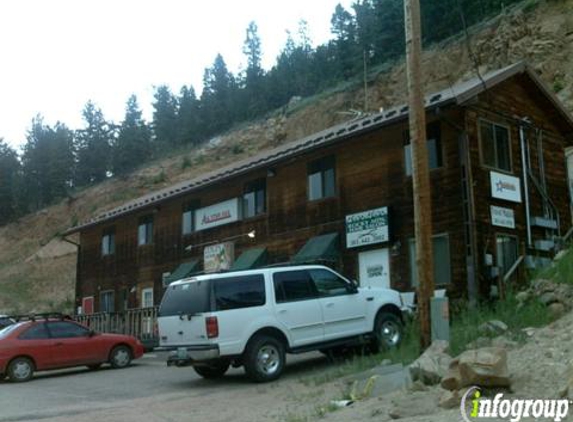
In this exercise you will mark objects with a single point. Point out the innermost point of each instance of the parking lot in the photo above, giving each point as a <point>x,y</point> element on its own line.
<point>150,391</point>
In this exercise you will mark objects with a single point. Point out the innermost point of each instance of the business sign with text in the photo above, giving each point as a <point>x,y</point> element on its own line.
<point>218,214</point>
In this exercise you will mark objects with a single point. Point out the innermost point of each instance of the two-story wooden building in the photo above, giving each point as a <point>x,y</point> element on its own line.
<point>343,197</point>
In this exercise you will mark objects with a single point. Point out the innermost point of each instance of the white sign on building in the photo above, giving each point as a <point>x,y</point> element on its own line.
<point>367,228</point>
<point>505,187</point>
<point>502,217</point>
<point>218,257</point>
<point>218,214</point>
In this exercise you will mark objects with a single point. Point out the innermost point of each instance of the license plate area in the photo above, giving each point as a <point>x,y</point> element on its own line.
<point>182,353</point>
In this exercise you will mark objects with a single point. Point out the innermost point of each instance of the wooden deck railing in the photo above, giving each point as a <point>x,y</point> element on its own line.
<point>136,322</point>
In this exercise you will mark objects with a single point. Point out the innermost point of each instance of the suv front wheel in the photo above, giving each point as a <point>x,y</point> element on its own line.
<point>264,358</point>
<point>388,331</point>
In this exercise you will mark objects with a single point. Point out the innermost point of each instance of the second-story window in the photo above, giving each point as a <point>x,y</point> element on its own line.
<point>187,221</point>
<point>321,179</point>
<point>145,231</point>
<point>108,242</point>
<point>434,145</point>
<point>495,146</point>
<point>254,198</point>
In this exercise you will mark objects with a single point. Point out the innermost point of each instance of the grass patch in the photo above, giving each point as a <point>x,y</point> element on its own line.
<point>465,324</point>
<point>560,271</point>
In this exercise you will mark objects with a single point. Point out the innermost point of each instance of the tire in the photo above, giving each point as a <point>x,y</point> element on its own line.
<point>264,358</point>
<point>388,332</point>
<point>214,370</point>
<point>120,357</point>
<point>94,367</point>
<point>21,370</point>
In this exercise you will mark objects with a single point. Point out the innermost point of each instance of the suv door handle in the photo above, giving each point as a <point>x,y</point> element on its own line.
<point>282,311</point>
<point>330,305</point>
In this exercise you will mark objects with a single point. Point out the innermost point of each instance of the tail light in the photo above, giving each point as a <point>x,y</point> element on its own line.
<point>212,326</point>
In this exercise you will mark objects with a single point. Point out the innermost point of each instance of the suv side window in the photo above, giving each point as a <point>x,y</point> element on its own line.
<point>292,286</point>
<point>35,332</point>
<point>239,292</point>
<point>63,329</point>
<point>329,284</point>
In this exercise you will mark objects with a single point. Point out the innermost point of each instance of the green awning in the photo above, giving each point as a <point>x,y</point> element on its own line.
<point>251,258</point>
<point>319,248</point>
<point>184,270</point>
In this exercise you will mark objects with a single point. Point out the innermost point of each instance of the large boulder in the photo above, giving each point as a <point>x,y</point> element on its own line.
<point>486,367</point>
<point>432,365</point>
<point>492,328</point>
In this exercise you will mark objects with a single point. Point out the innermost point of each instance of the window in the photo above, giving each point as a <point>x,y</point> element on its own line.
<point>254,198</point>
<point>434,145</point>
<point>495,146</point>
<point>35,332</point>
<point>507,252</point>
<point>187,222</point>
<point>321,179</point>
<point>292,286</point>
<point>145,231</point>
<point>147,298</point>
<point>108,242</point>
<point>62,329</point>
<point>329,284</point>
<point>188,299</point>
<point>107,301</point>
<point>442,268</point>
<point>239,292</point>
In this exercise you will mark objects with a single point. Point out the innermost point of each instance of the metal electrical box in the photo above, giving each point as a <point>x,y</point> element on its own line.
<point>440,313</point>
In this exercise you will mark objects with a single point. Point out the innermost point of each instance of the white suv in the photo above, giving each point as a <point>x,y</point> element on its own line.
<point>252,318</point>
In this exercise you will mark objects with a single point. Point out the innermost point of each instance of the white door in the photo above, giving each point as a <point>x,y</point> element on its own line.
<point>147,298</point>
<point>374,268</point>
<point>297,307</point>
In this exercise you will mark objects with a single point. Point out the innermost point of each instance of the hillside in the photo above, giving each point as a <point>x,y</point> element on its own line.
<point>37,270</point>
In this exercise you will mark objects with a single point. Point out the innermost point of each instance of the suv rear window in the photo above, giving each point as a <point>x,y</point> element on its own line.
<point>186,299</point>
<point>239,292</point>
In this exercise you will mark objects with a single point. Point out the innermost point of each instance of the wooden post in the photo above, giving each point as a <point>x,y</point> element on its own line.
<point>420,171</point>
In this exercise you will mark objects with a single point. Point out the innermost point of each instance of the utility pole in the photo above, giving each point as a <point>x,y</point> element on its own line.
<point>420,170</point>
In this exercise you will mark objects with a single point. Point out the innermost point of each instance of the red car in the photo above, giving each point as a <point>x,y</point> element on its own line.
<point>39,345</point>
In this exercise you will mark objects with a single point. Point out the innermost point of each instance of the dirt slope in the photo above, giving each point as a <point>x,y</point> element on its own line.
<point>38,273</point>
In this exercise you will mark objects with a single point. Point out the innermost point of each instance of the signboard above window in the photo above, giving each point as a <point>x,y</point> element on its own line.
<point>367,228</point>
<point>505,187</point>
<point>218,214</point>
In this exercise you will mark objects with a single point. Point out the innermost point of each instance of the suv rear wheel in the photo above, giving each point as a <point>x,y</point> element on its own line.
<point>264,358</point>
<point>213,370</point>
<point>388,331</point>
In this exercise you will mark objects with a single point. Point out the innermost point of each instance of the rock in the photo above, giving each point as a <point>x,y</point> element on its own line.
<point>504,343</point>
<point>449,399</point>
<point>560,255</point>
<point>452,380</point>
<point>493,328</point>
<point>386,362</point>
<point>485,367</point>
<point>418,386</point>
<point>556,310</point>
<point>548,298</point>
<point>479,343</point>
<point>432,365</point>
<point>523,297</point>
<point>529,331</point>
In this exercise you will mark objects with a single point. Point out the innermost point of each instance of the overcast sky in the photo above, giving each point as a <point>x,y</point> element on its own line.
<point>58,54</point>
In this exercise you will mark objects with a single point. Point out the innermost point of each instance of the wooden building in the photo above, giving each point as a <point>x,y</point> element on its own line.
<point>343,197</point>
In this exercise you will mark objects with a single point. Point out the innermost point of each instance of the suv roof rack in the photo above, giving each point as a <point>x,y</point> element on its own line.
<point>41,316</point>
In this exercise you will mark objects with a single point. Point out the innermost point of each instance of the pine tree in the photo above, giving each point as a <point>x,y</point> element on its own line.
<point>133,144</point>
<point>93,145</point>
<point>189,127</point>
<point>165,118</point>
<point>10,175</point>
<point>219,90</point>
